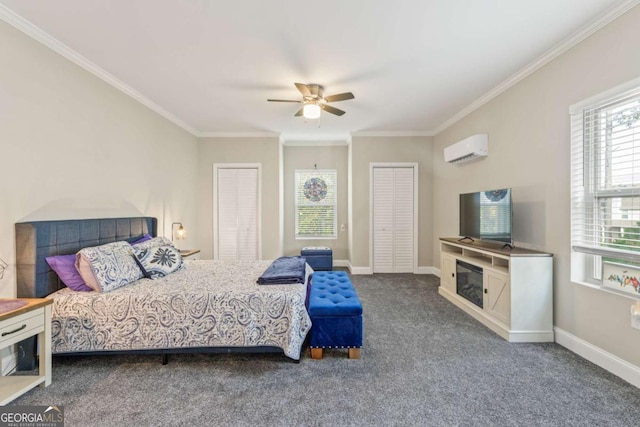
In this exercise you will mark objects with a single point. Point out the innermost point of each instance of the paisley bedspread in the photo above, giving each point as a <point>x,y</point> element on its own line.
<point>206,304</point>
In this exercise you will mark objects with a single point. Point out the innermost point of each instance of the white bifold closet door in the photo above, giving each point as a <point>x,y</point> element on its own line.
<point>237,213</point>
<point>393,212</point>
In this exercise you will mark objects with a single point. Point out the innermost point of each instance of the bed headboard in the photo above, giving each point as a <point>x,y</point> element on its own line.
<point>39,239</point>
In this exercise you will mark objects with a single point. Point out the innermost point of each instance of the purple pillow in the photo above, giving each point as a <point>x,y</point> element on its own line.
<point>65,266</point>
<point>144,238</point>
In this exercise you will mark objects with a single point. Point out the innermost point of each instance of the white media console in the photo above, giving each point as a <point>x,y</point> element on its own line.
<point>516,286</point>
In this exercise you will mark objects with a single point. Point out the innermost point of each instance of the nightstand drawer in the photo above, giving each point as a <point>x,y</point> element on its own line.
<point>21,327</point>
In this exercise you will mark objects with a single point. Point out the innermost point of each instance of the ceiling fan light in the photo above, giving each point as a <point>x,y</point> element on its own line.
<point>311,111</point>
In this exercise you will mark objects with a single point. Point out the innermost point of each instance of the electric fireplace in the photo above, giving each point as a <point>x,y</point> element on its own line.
<point>469,282</point>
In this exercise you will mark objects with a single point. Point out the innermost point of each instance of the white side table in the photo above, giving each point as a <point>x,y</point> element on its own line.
<point>20,324</point>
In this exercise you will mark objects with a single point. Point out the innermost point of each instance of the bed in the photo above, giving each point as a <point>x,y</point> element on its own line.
<point>208,306</point>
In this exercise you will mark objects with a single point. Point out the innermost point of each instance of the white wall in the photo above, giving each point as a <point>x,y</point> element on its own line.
<point>325,157</point>
<point>368,150</point>
<point>72,146</point>
<point>240,150</point>
<point>266,151</point>
<point>528,129</point>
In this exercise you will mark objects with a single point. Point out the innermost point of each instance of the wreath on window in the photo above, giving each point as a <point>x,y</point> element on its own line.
<point>315,189</point>
<point>496,195</point>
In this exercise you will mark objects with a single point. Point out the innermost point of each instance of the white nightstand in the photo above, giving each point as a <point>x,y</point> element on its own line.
<point>190,254</point>
<point>20,324</point>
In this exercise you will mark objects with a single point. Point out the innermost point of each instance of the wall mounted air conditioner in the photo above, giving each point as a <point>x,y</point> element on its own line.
<point>476,146</point>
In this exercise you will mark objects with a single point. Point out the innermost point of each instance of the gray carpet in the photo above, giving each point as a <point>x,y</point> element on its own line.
<point>424,362</point>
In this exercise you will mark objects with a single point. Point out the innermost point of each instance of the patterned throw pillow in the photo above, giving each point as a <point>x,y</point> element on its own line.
<point>153,243</point>
<point>108,267</point>
<point>157,262</point>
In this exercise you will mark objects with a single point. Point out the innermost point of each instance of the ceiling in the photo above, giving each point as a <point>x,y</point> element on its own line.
<point>414,66</point>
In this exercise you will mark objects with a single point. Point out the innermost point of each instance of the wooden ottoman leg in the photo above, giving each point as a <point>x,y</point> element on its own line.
<point>354,353</point>
<point>316,353</point>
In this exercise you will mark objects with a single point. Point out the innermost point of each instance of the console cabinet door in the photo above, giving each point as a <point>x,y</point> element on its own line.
<point>497,296</point>
<point>448,272</point>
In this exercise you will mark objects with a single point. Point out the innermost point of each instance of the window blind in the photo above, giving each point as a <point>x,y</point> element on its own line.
<point>316,204</point>
<point>495,214</point>
<point>605,177</point>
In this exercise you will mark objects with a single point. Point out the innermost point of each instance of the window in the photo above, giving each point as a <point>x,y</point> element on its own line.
<point>605,189</point>
<point>316,204</point>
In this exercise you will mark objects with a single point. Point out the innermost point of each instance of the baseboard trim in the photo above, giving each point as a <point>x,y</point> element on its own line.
<point>428,270</point>
<point>369,270</point>
<point>358,270</point>
<point>531,336</point>
<point>600,357</point>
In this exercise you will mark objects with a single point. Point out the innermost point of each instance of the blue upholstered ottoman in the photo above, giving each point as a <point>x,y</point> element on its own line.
<point>336,314</point>
<point>318,257</point>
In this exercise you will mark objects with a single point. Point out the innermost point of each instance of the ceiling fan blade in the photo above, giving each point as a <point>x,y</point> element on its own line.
<point>315,90</point>
<point>332,110</point>
<point>283,100</point>
<point>304,90</point>
<point>339,97</point>
<point>299,113</point>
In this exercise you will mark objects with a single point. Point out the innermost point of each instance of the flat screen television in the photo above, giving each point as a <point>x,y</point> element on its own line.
<point>486,215</point>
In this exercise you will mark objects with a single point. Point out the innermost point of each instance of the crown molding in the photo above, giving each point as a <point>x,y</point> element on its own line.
<point>238,135</point>
<point>311,143</point>
<point>630,88</point>
<point>314,140</point>
<point>392,134</point>
<point>608,16</point>
<point>52,43</point>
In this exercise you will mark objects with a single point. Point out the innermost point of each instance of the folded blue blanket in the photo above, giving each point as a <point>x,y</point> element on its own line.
<point>284,270</point>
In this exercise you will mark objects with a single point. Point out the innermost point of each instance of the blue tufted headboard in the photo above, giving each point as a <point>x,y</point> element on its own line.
<point>39,239</point>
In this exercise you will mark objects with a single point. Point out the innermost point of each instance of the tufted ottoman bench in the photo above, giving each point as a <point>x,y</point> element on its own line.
<point>336,314</point>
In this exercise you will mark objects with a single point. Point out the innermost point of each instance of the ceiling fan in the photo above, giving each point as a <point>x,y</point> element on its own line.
<point>314,101</point>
